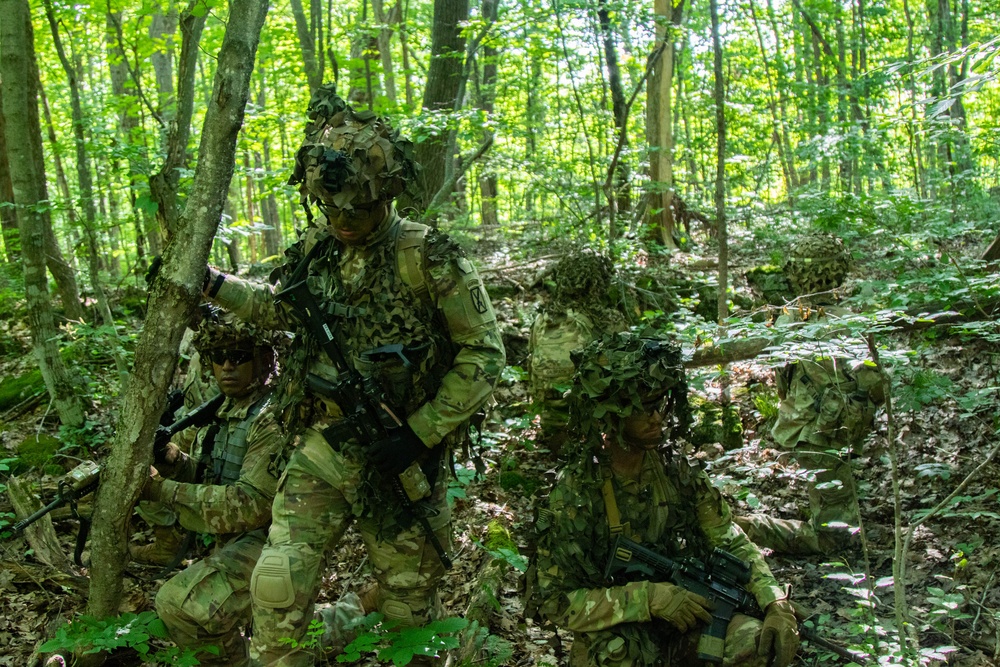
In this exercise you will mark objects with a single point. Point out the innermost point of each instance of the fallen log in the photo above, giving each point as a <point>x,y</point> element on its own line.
<point>41,535</point>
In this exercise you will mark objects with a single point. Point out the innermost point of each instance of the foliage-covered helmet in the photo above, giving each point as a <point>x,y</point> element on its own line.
<point>219,331</point>
<point>618,376</point>
<point>350,158</point>
<point>816,263</point>
<point>583,273</point>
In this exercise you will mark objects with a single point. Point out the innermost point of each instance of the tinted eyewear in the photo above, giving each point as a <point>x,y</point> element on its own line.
<point>235,357</point>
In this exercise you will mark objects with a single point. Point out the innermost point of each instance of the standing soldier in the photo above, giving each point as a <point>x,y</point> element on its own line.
<point>581,309</point>
<point>625,479</point>
<point>224,489</point>
<point>391,319</point>
<point>827,409</point>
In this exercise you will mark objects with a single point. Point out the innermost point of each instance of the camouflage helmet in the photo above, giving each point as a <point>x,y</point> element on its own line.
<point>224,331</point>
<point>617,375</point>
<point>350,157</point>
<point>583,273</point>
<point>816,263</point>
<point>218,330</point>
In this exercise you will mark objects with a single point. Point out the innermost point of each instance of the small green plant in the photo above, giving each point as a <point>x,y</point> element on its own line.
<point>456,485</point>
<point>312,639</point>
<point>89,635</point>
<point>399,646</point>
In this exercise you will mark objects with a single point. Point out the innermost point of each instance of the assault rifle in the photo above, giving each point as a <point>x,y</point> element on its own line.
<point>367,414</point>
<point>722,579</point>
<point>84,478</point>
<point>198,417</point>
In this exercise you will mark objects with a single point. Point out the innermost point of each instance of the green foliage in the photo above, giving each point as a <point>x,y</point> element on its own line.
<point>871,633</point>
<point>137,632</point>
<point>456,485</point>
<point>399,646</point>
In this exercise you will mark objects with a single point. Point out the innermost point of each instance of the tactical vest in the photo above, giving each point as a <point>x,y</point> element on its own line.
<point>230,446</point>
<point>667,518</point>
<point>386,302</point>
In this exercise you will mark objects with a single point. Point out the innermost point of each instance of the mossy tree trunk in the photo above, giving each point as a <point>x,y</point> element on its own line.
<point>17,53</point>
<point>172,300</point>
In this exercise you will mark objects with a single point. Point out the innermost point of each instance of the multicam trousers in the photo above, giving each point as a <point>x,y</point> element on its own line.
<point>315,503</point>
<point>208,603</point>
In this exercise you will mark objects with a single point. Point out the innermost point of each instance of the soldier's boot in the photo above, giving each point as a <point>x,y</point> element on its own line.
<point>782,536</point>
<point>167,541</point>
<point>338,621</point>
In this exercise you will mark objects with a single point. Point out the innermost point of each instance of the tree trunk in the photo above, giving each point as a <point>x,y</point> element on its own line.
<point>444,78</point>
<point>17,54</point>
<point>8,219</point>
<point>660,124</point>
<point>720,164</point>
<point>400,19</point>
<point>128,127</point>
<point>172,300</point>
<point>487,178</point>
<point>772,102</point>
<point>164,184</point>
<point>622,196</point>
<point>385,49</point>
<point>307,42</point>
<point>86,188</point>
<point>913,127</point>
<point>163,27</point>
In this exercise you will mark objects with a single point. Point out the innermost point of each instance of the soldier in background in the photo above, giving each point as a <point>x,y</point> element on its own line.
<point>224,488</point>
<point>581,309</point>
<point>624,476</point>
<point>382,287</point>
<point>827,409</point>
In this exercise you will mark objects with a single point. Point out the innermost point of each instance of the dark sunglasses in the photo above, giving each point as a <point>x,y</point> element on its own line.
<point>235,357</point>
<point>357,210</point>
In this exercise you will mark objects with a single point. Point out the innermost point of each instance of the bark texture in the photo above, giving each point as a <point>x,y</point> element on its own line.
<point>172,300</point>
<point>17,69</point>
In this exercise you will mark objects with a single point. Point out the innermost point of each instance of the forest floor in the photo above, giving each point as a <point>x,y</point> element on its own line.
<point>953,557</point>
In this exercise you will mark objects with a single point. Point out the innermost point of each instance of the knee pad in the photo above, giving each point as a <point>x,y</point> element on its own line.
<point>271,583</point>
<point>397,610</point>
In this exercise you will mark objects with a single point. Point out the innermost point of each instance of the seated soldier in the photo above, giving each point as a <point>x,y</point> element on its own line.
<point>827,409</point>
<point>224,489</point>
<point>580,310</point>
<point>624,478</point>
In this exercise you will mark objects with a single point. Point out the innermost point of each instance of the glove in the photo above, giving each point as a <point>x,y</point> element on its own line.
<point>677,606</point>
<point>395,454</point>
<point>779,639</point>
<point>152,488</point>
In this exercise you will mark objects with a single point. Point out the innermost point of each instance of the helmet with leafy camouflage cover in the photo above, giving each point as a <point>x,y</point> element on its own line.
<point>350,158</point>
<point>620,375</point>
<point>224,331</point>
<point>816,263</point>
<point>582,274</point>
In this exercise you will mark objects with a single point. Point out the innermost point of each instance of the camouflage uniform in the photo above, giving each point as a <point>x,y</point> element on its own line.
<point>669,505</point>
<point>674,509</point>
<point>208,603</point>
<point>578,314</point>
<point>404,284</point>
<point>827,408</point>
